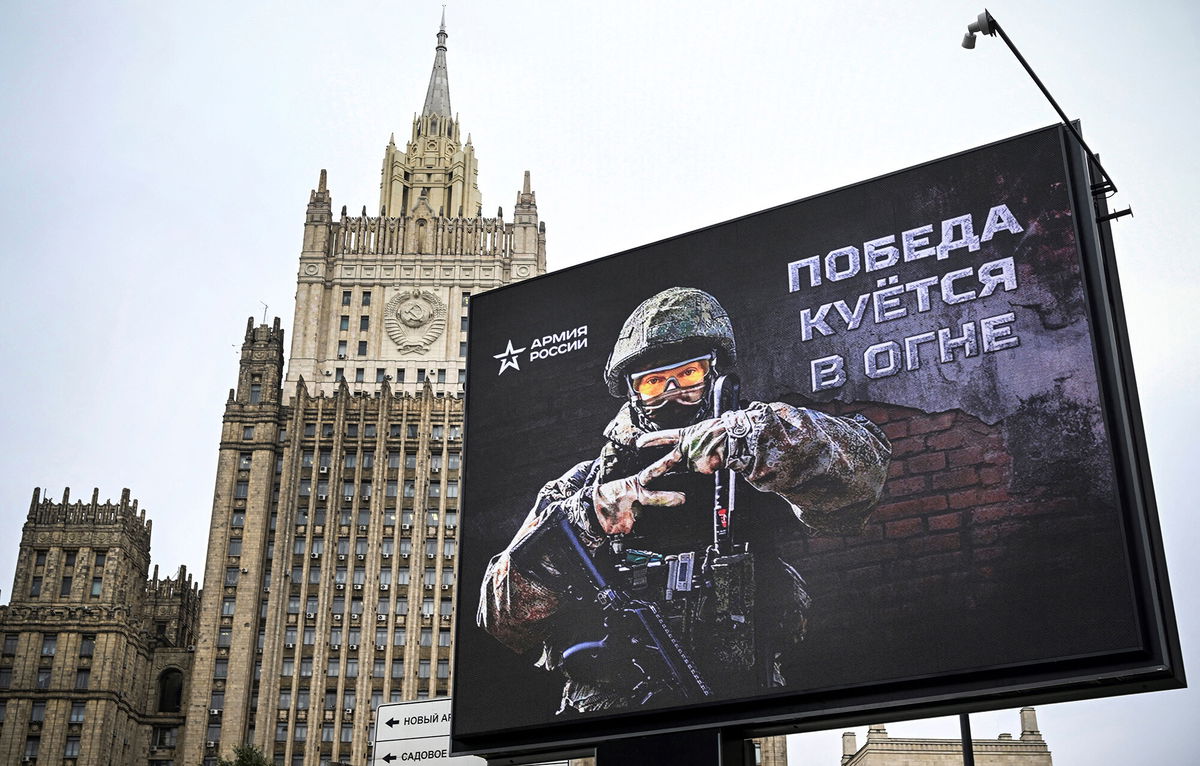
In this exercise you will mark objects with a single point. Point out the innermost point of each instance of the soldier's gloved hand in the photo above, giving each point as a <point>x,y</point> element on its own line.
<point>701,447</point>
<point>618,502</point>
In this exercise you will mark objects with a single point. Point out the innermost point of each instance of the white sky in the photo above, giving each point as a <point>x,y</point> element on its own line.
<point>156,158</point>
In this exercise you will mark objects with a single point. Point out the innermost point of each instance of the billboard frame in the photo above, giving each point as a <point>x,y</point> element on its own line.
<point>1158,665</point>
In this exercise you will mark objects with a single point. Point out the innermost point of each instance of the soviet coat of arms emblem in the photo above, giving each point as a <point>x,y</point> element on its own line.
<point>414,319</point>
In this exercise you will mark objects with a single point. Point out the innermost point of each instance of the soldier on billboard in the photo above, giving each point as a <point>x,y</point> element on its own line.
<point>628,570</point>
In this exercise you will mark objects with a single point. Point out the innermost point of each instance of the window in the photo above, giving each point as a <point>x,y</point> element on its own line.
<point>77,712</point>
<point>410,488</point>
<point>37,713</point>
<point>235,546</point>
<point>237,520</point>
<point>360,373</point>
<point>397,668</point>
<point>366,298</point>
<point>231,576</point>
<point>369,430</point>
<point>306,665</point>
<point>247,432</point>
<point>39,558</point>
<point>380,374</point>
<point>399,379</point>
<point>447,607</point>
<point>462,376</point>
<point>345,297</point>
<point>10,643</point>
<point>341,352</point>
<point>347,732</point>
<point>448,547</point>
<point>426,637</point>
<point>420,376</point>
<point>5,678</point>
<point>87,645</point>
<point>438,432</point>
<point>49,644</point>
<point>225,637</point>
<point>83,677</point>
<point>462,350</point>
<point>310,430</point>
<point>97,586</point>
<point>70,557</point>
<point>65,589</point>
<point>453,461</point>
<point>443,668</point>
<point>35,587</point>
<point>227,606</point>
<point>364,323</point>
<point>423,669</point>
<point>31,746</point>
<point>344,324</point>
<point>411,431</point>
<point>427,607</point>
<point>164,736</point>
<point>444,638</point>
<point>339,375</point>
<point>452,488</point>
<point>466,299</point>
<point>255,393</point>
<point>463,323</point>
<point>435,489</point>
<point>71,749</point>
<point>241,490</point>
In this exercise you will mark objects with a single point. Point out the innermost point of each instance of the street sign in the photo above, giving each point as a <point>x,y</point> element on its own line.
<point>416,733</point>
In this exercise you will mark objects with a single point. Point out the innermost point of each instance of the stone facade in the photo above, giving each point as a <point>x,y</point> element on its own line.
<point>881,750</point>
<point>333,540</point>
<point>96,654</point>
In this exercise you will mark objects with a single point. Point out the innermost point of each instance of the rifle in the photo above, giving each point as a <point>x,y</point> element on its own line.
<point>729,568</point>
<point>660,658</point>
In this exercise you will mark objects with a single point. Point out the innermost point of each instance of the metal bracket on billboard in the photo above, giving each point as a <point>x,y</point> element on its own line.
<point>986,24</point>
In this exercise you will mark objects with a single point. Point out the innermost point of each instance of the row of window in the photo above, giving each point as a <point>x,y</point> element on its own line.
<point>363,489</point>
<point>65,586</point>
<point>353,636</point>
<point>359,575</point>
<point>369,431</point>
<point>37,712</point>
<point>69,557</point>
<point>381,373</point>
<point>337,605</point>
<point>352,459</point>
<point>87,644</point>
<point>300,546</point>
<point>33,744</point>
<point>365,299</point>
<point>83,678</point>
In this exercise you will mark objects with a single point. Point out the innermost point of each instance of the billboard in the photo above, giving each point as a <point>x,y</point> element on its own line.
<point>873,453</point>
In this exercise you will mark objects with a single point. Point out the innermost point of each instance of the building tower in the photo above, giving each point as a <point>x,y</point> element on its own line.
<point>95,654</point>
<point>332,546</point>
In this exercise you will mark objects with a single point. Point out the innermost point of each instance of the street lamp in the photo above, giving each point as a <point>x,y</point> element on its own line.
<point>986,24</point>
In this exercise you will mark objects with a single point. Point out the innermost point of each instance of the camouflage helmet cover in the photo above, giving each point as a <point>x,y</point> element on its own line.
<point>679,317</point>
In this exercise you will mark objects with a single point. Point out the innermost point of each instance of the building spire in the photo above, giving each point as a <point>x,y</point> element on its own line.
<point>437,98</point>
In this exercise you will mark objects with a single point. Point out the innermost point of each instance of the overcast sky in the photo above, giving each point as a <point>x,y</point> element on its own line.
<point>156,158</point>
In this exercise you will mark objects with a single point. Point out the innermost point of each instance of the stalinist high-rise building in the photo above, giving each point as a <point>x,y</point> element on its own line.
<point>329,584</point>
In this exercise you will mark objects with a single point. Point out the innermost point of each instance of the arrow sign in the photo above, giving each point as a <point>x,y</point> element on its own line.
<point>392,722</point>
<point>389,758</point>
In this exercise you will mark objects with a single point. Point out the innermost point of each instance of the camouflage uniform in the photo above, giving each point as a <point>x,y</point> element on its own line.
<point>810,469</point>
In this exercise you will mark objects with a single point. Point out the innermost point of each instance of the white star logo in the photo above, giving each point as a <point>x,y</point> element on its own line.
<point>509,358</point>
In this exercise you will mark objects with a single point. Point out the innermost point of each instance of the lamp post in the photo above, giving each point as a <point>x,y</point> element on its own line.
<point>986,24</point>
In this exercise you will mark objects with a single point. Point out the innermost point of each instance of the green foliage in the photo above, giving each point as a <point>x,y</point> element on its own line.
<point>246,755</point>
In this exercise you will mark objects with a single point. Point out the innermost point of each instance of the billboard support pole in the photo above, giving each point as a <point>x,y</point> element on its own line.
<point>987,24</point>
<point>964,724</point>
<point>710,747</point>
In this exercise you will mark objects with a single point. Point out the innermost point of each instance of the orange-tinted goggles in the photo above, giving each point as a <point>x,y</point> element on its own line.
<point>651,383</point>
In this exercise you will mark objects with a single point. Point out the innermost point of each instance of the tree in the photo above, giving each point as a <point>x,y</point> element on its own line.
<point>246,755</point>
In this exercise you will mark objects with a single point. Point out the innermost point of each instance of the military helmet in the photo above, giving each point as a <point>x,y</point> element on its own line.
<point>679,317</point>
